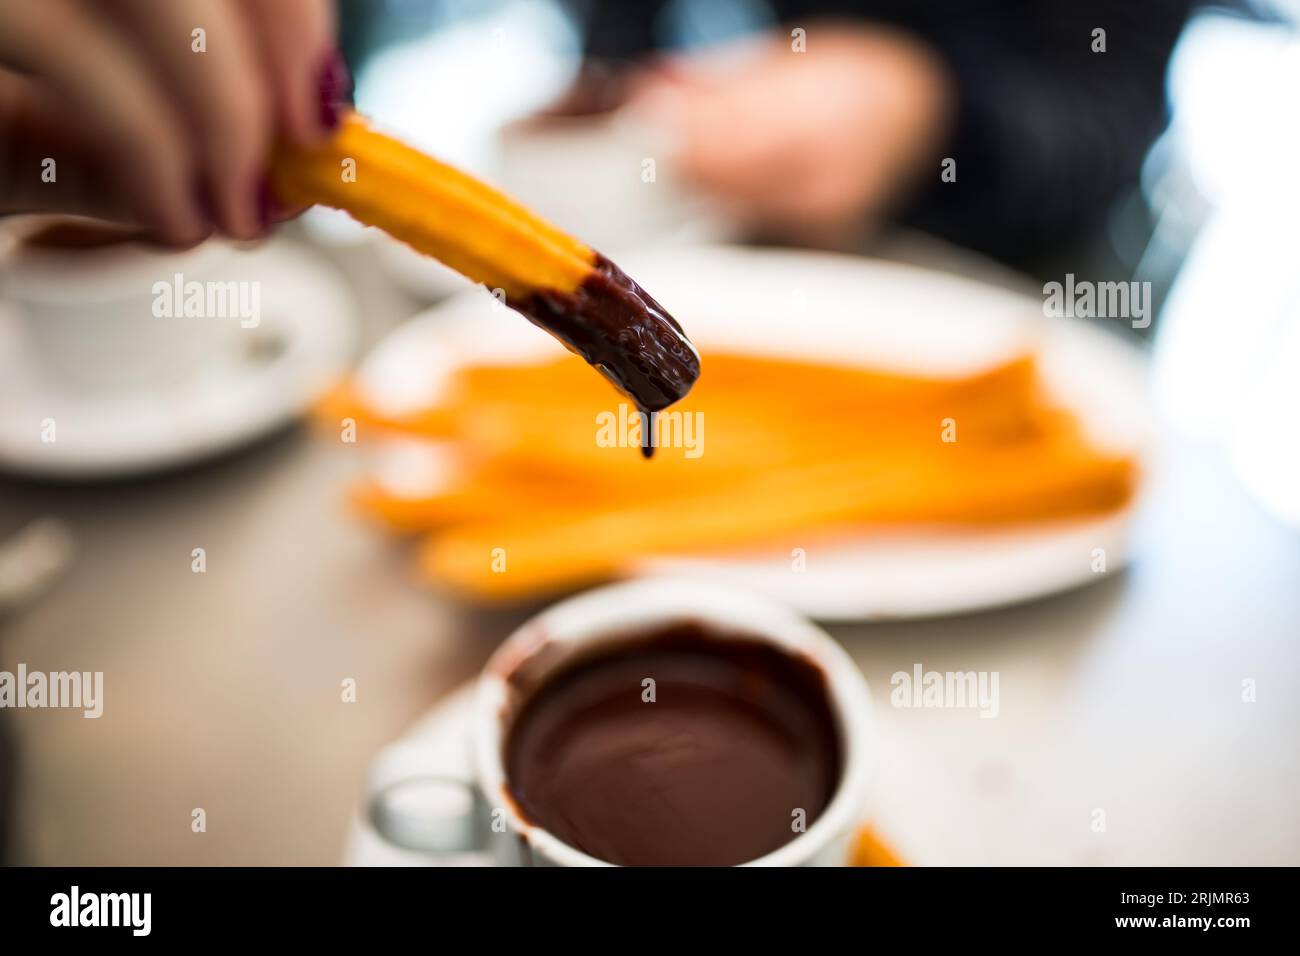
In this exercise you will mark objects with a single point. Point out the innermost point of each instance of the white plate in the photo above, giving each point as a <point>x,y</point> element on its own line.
<point>308,316</point>
<point>846,310</point>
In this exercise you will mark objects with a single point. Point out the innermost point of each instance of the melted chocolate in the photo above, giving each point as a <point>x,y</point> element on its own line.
<point>739,737</point>
<point>625,334</point>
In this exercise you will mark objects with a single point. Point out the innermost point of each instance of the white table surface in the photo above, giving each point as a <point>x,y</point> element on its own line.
<point>222,689</point>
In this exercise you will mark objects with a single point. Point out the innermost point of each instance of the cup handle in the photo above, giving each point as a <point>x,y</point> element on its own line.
<point>434,814</point>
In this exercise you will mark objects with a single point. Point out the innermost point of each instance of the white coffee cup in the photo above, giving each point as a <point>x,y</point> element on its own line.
<point>405,811</point>
<point>609,178</point>
<point>89,315</point>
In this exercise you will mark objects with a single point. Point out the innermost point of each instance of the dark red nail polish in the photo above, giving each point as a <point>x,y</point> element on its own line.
<point>335,89</point>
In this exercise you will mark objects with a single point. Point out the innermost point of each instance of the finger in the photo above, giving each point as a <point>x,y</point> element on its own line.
<point>308,78</point>
<point>32,133</point>
<point>102,89</point>
<point>46,165</point>
<point>203,54</point>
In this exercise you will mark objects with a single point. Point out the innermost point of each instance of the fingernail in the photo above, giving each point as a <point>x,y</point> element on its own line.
<point>335,88</point>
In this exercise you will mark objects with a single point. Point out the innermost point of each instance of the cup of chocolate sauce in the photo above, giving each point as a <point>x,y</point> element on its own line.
<point>660,723</point>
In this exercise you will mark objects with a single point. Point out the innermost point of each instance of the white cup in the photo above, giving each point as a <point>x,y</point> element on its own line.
<point>406,811</point>
<point>609,179</point>
<point>87,315</point>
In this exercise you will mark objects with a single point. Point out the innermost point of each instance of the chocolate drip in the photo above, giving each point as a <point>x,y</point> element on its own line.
<point>625,334</point>
<point>648,435</point>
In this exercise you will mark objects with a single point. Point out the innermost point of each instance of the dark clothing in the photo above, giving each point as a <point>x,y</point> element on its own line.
<point>1048,133</point>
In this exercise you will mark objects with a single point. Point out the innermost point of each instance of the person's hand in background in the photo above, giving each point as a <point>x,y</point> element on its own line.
<point>810,146</point>
<point>146,130</point>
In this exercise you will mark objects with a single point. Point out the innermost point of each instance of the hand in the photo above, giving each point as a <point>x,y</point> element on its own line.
<point>144,129</point>
<point>811,146</point>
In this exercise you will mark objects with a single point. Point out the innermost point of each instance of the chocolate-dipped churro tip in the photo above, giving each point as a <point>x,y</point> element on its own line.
<point>620,329</point>
<point>562,285</point>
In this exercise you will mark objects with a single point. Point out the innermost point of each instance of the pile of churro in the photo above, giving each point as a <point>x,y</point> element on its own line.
<point>764,454</point>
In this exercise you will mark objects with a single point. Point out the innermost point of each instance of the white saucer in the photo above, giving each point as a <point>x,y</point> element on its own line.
<point>438,743</point>
<point>270,375</point>
<point>841,309</point>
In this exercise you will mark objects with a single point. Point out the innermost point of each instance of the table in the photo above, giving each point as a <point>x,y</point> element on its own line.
<point>223,689</point>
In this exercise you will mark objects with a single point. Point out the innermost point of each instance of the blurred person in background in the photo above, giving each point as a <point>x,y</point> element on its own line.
<point>841,115</point>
